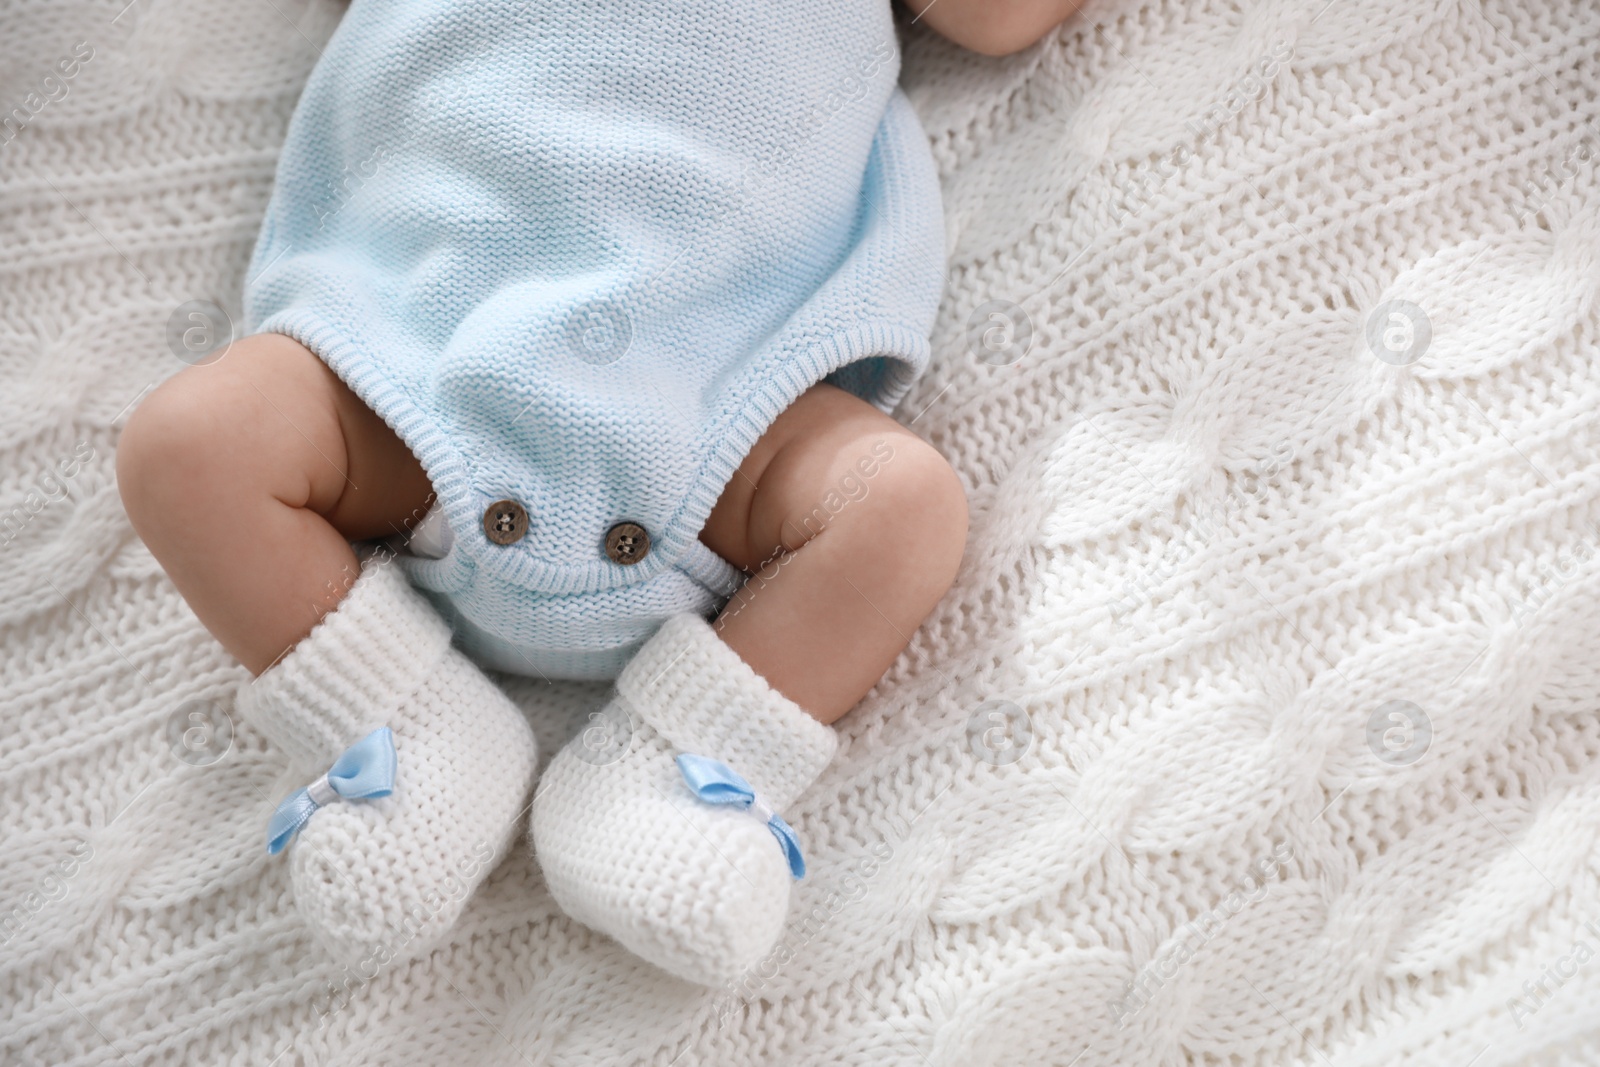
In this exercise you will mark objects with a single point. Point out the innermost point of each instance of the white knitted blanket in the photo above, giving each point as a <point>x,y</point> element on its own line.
<point>1260,726</point>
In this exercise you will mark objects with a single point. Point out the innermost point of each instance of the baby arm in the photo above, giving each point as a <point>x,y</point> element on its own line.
<point>993,27</point>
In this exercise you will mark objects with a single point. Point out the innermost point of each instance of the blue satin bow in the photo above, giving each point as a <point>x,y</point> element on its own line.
<point>366,769</point>
<point>717,783</point>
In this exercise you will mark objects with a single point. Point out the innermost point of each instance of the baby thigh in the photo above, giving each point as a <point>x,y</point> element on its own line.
<point>248,477</point>
<point>853,528</point>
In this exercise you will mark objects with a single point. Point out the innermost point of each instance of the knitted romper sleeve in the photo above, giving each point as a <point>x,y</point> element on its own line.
<point>579,256</point>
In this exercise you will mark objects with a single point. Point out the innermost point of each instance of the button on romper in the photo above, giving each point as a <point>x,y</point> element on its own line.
<point>579,256</point>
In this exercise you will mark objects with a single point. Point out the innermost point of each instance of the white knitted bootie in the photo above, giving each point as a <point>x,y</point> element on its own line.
<point>384,876</point>
<point>695,883</point>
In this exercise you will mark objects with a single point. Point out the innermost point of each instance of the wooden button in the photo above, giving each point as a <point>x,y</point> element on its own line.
<point>627,543</point>
<point>505,522</point>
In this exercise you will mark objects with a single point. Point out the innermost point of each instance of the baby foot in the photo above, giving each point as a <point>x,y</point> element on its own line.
<point>672,856</point>
<point>380,877</point>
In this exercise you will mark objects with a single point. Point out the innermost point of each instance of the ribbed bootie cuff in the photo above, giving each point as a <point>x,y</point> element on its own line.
<point>703,698</point>
<point>351,672</point>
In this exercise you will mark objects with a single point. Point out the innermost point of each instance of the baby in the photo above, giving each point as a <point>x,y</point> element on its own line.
<point>601,307</point>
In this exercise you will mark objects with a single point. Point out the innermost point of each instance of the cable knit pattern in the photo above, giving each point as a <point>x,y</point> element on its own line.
<point>699,890</point>
<point>384,878</point>
<point>1213,536</point>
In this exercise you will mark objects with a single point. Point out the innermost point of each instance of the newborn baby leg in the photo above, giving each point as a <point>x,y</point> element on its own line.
<point>247,479</point>
<point>855,528</point>
<point>852,527</point>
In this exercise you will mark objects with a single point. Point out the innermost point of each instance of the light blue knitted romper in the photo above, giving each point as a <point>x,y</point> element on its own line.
<point>579,255</point>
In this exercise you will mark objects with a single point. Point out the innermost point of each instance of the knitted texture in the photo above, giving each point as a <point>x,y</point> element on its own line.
<point>351,672</point>
<point>1212,535</point>
<point>582,255</point>
<point>696,692</point>
<point>384,878</point>
<point>699,890</point>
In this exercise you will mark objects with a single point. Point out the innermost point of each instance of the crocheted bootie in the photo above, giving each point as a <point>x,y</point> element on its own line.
<point>652,841</point>
<point>382,875</point>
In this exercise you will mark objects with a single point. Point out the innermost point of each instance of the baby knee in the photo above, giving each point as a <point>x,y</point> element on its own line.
<point>921,492</point>
<point>924,487</point>
<point>173,440</point>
